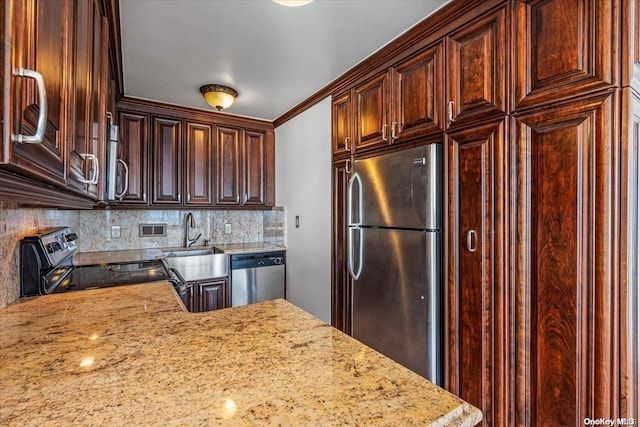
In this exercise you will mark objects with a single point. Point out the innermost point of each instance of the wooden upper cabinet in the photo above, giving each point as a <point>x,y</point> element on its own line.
<point>563,48</point>
<point>245,161</point>
<point>41,37</point>
<point>167,161</point>
<point>372,105</point>
<point>256,152</point>
<point>418,95</point>
<point>565,262</point>
<point>133,149</point>
<point>342,123</point>
<point>228,165</point>
<point>87,145</point>
<point>199,164</point>
<point>476,70</point>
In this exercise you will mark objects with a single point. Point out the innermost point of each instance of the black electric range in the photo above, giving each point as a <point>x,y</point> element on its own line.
<point>46,266</point>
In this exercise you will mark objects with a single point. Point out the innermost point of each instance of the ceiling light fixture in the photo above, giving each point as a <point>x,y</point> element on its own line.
<point>218,96</point>
<point>293,2</point>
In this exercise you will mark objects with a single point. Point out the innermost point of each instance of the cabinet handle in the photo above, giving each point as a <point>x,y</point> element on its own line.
<point>384,132</point>
<point>450,111</point>
<point>347,166</point>
<point>346,143</point>
<point>394,135</point>
<point>96,168</point>
<point>246,198</point>
<point>179,198</point>
<point>37,137</point>
<point>237,197</point>
<point>126,181</point>
<point>471,240</point>
<point>188,196</point>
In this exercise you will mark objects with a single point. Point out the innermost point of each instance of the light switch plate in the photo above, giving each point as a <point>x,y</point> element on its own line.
<point>115,231</point>
<point>227,229</point>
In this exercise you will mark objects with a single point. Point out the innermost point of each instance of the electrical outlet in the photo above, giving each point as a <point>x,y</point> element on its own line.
<point>227,229</point>
<point>115,231</point>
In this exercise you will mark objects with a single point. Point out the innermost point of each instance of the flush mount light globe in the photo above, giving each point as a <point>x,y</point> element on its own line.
<point>218,96</point>
<point>293,2</point>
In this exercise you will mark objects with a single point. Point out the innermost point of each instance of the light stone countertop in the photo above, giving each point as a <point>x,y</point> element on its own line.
<point>130,356</point>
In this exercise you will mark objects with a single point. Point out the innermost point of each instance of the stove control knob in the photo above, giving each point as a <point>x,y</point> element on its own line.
<point>71,237</point>
<point>53,247</point>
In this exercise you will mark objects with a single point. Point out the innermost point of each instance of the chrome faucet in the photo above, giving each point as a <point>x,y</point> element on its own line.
<point>189,223</point>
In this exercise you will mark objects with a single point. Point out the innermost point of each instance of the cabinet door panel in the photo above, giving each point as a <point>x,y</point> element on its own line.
<point>167,165</point>
<point>199,164</point>
<point>341,280</point>
<point>417,95</point>
<point>566,180</point>
<point>212,295</point>
<point>372,113</point>
<point>41,36</point>
<point>88,130</point>
<point>562,48</point>
<point>477,302</point>
<point>476,70</point>
<point>255,163</point>
<point>133,149</point>
<point>228,166</point>
<point>342,121</point>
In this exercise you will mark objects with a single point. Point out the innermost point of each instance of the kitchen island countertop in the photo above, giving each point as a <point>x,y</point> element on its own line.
<point>132,356</point>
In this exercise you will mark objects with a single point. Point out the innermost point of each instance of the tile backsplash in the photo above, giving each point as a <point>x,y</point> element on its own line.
<point>94,232</point>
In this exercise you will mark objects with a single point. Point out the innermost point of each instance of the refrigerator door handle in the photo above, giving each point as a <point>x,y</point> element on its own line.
<point>355,275</point>
<point>355,177</point>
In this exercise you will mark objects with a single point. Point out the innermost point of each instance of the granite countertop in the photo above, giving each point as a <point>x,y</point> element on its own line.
<point>132,356</point>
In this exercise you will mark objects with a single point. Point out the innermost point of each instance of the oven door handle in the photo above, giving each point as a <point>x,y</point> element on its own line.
<point>48,290</point>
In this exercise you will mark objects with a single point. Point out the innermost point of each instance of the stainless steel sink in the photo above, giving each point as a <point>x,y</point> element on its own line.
<point>198,264</point>
<point>190,252</point>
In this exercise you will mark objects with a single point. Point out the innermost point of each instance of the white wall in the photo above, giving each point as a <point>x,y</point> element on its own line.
<point>303,187</point>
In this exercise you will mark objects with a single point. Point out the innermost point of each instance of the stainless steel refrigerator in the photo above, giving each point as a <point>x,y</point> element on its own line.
<point>394,256</point>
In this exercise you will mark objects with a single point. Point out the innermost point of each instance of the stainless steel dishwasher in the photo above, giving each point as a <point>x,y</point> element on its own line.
<point>257,277</point>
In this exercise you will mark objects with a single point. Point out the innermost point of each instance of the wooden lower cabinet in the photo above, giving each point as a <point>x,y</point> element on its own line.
<point>477,340</point>
<point>206,295</point>
<point>564,263</point>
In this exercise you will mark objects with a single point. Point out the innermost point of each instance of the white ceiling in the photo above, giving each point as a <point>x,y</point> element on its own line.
<point>274,56</point>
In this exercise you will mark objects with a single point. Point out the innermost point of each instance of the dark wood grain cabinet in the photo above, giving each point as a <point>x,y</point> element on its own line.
<point>342,125</point>
<point>167,166</point>
<point>564,262</point>
<point>372,112</point>
<point>40,35</point>
<point>476,286</point>
<point>476,70</point>
<point>206,295</point>
<point>134,150</point>
<point>564,48</point>
<point>199,167</point>
<point>88,132</point>
<point>341,280</point>
<point>245,167</point>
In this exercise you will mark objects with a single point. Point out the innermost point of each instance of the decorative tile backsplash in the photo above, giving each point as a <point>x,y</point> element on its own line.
<point>94,232</point>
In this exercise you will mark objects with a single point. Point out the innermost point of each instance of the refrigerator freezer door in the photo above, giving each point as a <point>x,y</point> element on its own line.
<point>400,190</point>
<point>396,299</point>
